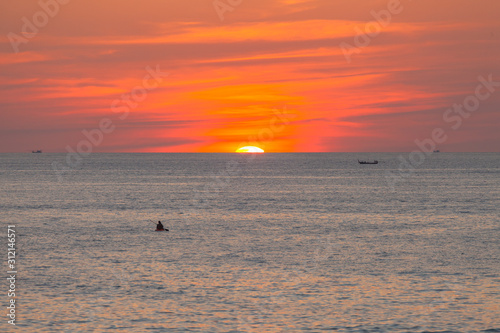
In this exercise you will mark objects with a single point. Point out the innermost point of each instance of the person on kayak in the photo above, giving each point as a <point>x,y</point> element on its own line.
<point>159,226</point>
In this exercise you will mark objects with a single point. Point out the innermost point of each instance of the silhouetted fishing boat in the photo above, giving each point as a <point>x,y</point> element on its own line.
<point>367,162</point>
<point>36,151</point>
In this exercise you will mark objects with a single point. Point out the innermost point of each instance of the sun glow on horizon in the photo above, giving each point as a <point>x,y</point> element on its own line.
<point>249,149</point>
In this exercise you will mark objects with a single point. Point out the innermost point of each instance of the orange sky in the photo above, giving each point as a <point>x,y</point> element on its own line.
<point>272,73</point>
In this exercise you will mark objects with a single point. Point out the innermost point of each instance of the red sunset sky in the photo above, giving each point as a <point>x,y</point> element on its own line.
<point>229,78</point>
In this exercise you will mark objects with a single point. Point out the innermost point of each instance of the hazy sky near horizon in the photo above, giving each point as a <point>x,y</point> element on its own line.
<point>272,73</point>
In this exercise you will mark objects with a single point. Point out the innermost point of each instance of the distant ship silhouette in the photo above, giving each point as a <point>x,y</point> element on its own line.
<point>367,162</point>
<point>36,151</point>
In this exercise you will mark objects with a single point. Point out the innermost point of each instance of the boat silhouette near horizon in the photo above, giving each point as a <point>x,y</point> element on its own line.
<point>368,162</point>
<point>36,151</point>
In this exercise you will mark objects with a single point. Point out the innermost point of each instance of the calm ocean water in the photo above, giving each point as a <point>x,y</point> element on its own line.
<point>270,243</point>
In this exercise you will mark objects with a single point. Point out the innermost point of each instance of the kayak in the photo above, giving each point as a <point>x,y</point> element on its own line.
<point>161,230</point>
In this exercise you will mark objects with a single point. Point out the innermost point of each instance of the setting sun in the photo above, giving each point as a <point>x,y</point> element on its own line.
<point>249,149</point>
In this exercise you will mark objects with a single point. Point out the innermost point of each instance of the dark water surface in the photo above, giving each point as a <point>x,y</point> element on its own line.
<point>270,243</point>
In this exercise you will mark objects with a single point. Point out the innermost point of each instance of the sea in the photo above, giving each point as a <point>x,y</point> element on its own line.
<point>309,242</point>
